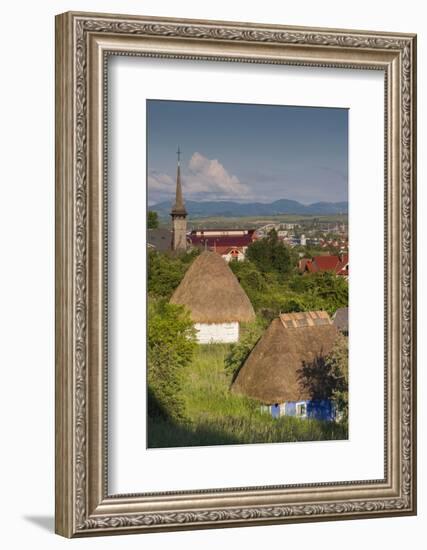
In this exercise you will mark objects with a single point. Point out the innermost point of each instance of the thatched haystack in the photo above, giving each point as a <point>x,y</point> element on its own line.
<point>271,373</point>
<point>212,293</point>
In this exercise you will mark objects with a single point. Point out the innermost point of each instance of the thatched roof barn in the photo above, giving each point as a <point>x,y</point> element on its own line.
<point>215,299</point>
<point>271,373</point>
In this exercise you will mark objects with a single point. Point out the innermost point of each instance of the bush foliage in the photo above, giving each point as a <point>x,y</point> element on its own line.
<point>271,293</point>
<point>171,344</point>
<point>165,271</point>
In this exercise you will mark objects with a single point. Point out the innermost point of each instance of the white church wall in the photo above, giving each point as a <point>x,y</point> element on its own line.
<point>224,333</point>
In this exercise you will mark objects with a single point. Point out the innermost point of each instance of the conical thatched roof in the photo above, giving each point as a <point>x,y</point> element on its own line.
<point>271,373</point>
<point>212,293</point>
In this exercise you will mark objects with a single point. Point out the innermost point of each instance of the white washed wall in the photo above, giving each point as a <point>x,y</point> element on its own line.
<point>217,333</point>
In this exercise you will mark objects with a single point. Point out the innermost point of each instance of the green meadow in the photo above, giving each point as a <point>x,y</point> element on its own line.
<point>212,415</point>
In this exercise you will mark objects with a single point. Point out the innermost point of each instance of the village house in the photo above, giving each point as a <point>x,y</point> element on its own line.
<point>273,373</point>
<point>231,244</point>
<point>216,301</point>
<point>336,264</point>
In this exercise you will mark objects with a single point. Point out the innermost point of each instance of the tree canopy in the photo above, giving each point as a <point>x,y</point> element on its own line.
<point>271,254</point>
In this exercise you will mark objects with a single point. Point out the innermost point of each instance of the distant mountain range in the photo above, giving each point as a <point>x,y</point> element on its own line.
<point>230,208</point>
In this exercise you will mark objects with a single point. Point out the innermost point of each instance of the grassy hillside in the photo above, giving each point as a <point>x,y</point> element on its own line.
<point>215,416</point>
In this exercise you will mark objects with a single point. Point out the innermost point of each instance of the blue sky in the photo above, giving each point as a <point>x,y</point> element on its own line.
<point>247,153</point>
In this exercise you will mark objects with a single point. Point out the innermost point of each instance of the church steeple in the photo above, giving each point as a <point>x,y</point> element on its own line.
<point>179,206</point>
<point>179,213</point>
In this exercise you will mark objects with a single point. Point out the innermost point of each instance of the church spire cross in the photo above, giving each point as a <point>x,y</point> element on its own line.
<point>178,212</point>
<point>178,207</point>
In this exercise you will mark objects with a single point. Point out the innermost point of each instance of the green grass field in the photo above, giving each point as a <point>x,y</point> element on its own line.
<point>215,416</point>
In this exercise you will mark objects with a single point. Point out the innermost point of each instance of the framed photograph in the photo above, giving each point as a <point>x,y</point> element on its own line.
<point>218,361</point>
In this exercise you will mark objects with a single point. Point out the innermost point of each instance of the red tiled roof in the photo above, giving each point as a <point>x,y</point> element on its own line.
<point>343,266</point>
<point>338,264</point>
<point>325,263</point>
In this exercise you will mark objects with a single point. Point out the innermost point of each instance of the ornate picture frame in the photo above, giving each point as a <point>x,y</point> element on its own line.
<point>84,42</point>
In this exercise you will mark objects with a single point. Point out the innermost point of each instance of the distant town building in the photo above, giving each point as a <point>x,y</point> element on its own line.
<point>273,371</point>
<point>281,228</point>
<point>216,301</point>
<point>231,244</point>
<point>339,244</point>
<point>303,240</point>
<point>179,214</point>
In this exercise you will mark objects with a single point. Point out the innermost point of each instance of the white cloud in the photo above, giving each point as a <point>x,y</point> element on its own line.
<point>157,181</point>
<point>160,187</point>
<point>203,179</point>
<point>209,177</point>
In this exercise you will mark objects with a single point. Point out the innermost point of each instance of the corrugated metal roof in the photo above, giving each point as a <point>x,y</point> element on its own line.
<point>305,319</point>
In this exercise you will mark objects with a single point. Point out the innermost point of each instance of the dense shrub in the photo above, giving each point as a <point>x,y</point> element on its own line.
<point>171,344</point>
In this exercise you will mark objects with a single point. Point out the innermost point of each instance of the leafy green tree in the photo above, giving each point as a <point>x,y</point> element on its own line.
<point>253,282</point>
<point>271,255</point>
<point>171,344</point>
<point>325,290</point>
<point>164,274</point>
<point>153,220</point>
